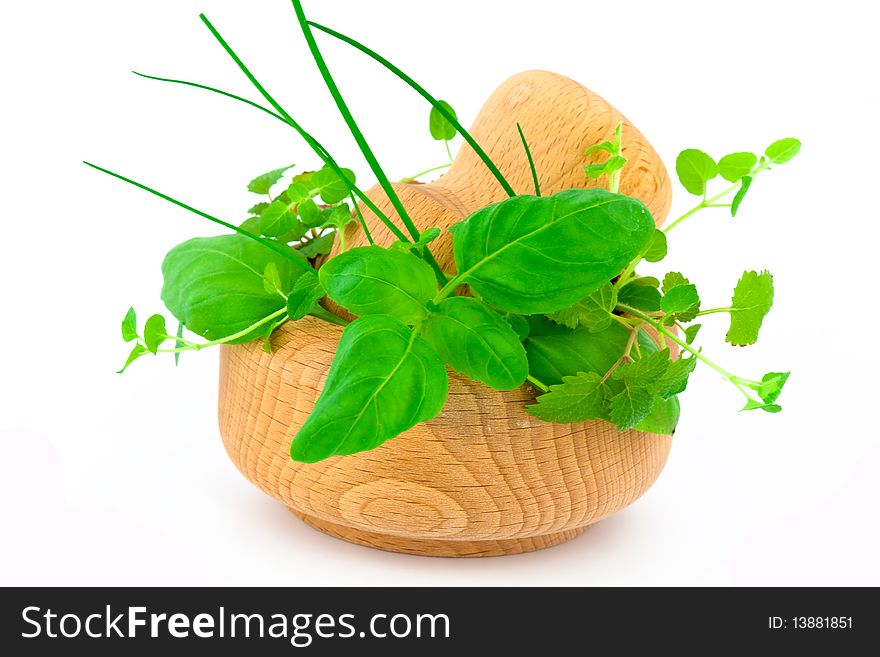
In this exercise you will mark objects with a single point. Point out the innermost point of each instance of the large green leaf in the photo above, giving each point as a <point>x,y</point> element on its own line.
<point>215,285</point>
<point>370,280</point>
<point>531,255</point>
<point>555,351</point>
<point>478,342</point>
<point>384,379</point>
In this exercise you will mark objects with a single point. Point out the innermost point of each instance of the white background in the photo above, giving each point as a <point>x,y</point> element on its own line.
<point>123,480</point>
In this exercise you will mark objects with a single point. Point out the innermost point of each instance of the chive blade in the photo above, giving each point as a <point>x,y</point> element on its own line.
<point>269,244</point>
<point>424,94</point>
<point>531,161</point>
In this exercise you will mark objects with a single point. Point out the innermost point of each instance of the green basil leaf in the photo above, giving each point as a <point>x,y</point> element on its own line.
<point>695,169</point>
<point>384,379</point>
<point>643,297</point>
<point>370,280</point>
<point>309,213</point>
<point>690,333</point>
<point>476,341</point>
<point>555,351</point>
<point>531,255</point>
<point>214,285</point>
<point>129,326</point>
<point>736,165</point>
<point>441,128</point>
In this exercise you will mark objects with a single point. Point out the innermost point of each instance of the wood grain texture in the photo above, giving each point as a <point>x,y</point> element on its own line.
<point>483,478</point>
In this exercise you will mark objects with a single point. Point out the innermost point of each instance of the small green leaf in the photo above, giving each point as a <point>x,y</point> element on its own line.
<point>673,279</point>
<point>331,187</point>
<point>643,297</point>
<point>771,386</point>
<point>680,299</point>
<point>780,152</point>
<point>441,129</point>
<point>129,326</point>
<point>577,399</point>
<point>251,224</point>
<point>592,312</point>
<point>337,217</point>
<point>695,169</point>
<point>384,379</point>
<point>519,324</point>
<point>675,380</point>
<point>615,163</point>
<point>258,209</point>
<point>649,281</point>
<point>736,165</point>
<point>272,279</point>
<point>605,146</point>
<point>646,371</point>
<point>263,183</point>
<point>740,195</point>
<point>297,192</point>
<point>370,280</point>
<point>138,351</point>
<point>305,294</point>
<point>630,406</point>
<point>690,333</point>
<point>752,299</point>
<point>658,248</point>
<point>752,405</point>
<point>277,219</point>
<point>318,245</point>
<point>155,332</point>
<point>475,340</point>
<point>427,236</point>
<point>663,417</point>
<point>609,166</point>
<point>309,214</point>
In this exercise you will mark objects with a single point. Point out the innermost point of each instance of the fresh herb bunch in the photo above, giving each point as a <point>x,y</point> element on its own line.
<point>546,289</point>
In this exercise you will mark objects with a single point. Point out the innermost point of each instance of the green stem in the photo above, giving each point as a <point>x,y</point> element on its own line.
<point>714,310</point>
<point>614,182</point>
<point>531,161</point>
<point>710,202</point>
<point>424,94</point>
<point>628,272</point>
<point>281,250</point>
<point>662,330</point>
<point>410,179</point>
<point>327,316</point>
<point>538,384</point>
<point>229,338</point>
<point>449,152</point>
<point>449,288</point>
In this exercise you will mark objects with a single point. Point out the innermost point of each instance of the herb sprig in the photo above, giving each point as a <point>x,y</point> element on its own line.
<point>553,294</point>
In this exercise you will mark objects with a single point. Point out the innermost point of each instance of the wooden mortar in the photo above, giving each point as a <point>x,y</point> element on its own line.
<point>483,478</point>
